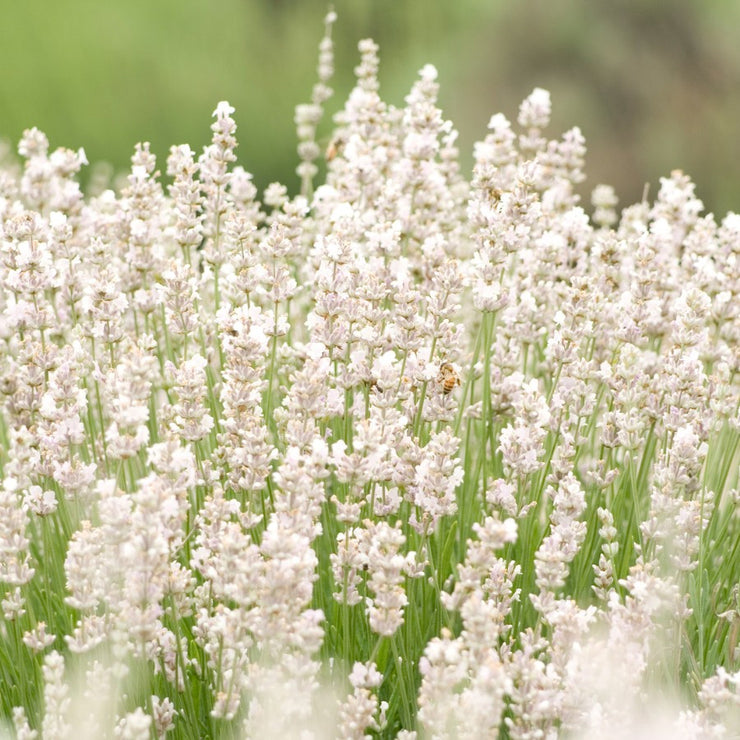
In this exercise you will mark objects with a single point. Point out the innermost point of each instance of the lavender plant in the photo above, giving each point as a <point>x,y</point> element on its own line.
<point>407,455</point>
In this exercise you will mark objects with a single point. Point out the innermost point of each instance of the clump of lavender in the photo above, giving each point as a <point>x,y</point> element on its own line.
<point>409,454</point>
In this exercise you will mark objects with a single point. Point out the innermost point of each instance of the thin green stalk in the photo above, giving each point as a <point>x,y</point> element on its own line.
<point>399,668</point>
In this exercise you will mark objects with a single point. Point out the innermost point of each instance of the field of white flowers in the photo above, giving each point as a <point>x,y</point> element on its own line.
<point>409,455</point>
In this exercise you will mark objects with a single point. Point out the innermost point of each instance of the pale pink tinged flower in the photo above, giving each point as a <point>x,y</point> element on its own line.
<point>604,200</point>
<point>535,111</point>
<point>56,698</point>
<point>164,713</point>
<point>494,534</point>
<point>33,143</point>
<point>189,418</point>
<point>347,564</point>
<point>15,568</point>
<point>520,449</point>
<point>438,474</point>
<point>37,639</point>
<point>361,710</point>
<point>185,193</point>
<point>502,494</point>
<point>13,604</point>
<point>463,688</point>
<point>483,574</point>
<point>135,725</point>
<point>20,724</point>
<point>40,502</point>
<point>387,567</point>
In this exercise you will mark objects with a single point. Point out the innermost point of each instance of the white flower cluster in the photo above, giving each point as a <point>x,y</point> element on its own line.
<point>453,433</point>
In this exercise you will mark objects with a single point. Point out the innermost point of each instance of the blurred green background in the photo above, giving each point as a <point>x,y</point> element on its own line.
<point>654,85</point>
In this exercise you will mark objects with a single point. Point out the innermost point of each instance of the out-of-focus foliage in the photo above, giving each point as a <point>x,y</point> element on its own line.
<point>653,85</point>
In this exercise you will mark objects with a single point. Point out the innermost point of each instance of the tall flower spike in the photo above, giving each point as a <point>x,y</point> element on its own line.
<point>308,116</point>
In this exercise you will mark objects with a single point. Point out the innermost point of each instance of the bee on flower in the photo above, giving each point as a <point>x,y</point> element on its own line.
<point>335,147</point>
<point>448,377</point>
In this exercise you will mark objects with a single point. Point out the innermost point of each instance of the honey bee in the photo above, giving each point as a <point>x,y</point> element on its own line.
<point>335,147</point>
<point>448,377</point>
